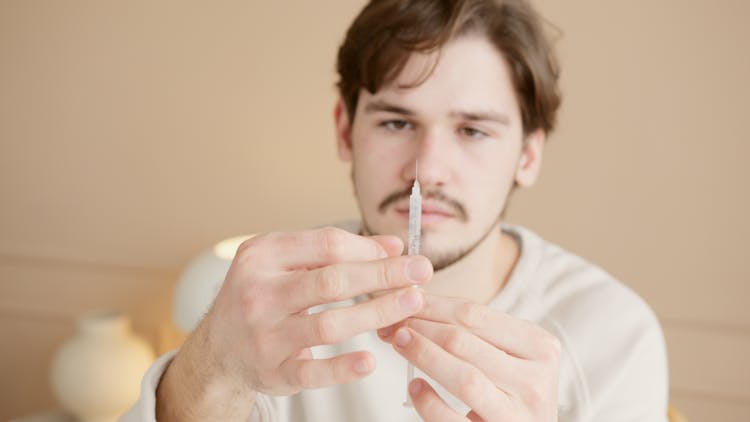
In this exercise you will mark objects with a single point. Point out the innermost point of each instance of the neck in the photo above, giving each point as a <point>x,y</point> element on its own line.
<point>482,274</point>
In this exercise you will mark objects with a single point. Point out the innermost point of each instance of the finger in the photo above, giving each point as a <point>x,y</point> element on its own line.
<point>385,333</point>
<point>336,325</point>
<point>505,371</point>
<point>460,378</point>
<point>305,353</point>
<point>393,245</point>
<point>429,405</point>
<point>472,416</point>
<point>338,282</point>
<point>515,336</point>
<point>310,249</point>
<point>305,374</point>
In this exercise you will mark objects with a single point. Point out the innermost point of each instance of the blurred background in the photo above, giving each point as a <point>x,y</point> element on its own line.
<point>134,135</point>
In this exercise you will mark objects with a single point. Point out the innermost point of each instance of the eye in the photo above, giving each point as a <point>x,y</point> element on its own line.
<point>396,125</point>
<point>473,133</point>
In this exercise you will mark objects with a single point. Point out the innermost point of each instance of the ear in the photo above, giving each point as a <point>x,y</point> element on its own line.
<point>343,131</point>
<point>530,161</point>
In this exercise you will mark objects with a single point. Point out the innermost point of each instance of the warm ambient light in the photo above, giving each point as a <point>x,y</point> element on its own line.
<point>201,281</point>
<point>228,247</point>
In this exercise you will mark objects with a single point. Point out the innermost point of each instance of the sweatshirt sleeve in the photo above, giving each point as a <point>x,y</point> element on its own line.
<point>615,344</point>
<point>144,410</point>
<point>635,386</point>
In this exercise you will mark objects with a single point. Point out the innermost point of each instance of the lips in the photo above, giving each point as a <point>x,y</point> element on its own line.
<point>430,209</point>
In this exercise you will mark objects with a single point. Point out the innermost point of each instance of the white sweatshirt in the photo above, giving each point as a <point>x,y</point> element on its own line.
<point>613,367</point>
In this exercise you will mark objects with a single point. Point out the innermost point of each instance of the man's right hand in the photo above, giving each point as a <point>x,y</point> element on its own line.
<point>258,333</point>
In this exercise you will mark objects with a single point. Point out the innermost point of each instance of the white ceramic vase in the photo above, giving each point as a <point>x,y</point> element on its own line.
<point>96,374</point>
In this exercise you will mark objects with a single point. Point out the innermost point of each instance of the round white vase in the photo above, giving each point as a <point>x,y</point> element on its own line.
<point>96,374</point>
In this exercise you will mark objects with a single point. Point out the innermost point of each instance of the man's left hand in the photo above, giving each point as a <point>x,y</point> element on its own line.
<point>503,368</point>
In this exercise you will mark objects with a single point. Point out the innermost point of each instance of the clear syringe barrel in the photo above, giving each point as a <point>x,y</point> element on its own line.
<point>415,238</point>
<point>415,219</point>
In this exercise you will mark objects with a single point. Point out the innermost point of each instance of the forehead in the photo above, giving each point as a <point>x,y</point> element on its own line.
<point>469,73</point>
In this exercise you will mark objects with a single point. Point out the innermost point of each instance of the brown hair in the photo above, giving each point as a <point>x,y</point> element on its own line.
<point>387,32</point>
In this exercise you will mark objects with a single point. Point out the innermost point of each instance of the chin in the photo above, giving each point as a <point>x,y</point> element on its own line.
<point>443,259</point>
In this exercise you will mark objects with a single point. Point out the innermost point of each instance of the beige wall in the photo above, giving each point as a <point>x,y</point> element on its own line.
<point>134,134</point>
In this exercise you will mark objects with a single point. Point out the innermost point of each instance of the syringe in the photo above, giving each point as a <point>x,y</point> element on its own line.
<point>415,237</point>
<point>415,217</point>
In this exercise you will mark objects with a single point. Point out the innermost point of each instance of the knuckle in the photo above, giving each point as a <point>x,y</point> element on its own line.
<point>252,302</point>
<point>331,284</point>
<point>471,384</point>
<point>471,315</point>
<point>455,343</point>
<point>245,245</point>
<point>332,241</point>
<point>304,376</point>
<point>248,249</point>
<point>550,348</point>
<point>384,275</point>
<point>325,328</point>
<point>251,250</point>
<point>383,312</point>
<point>417,351</point>
<point>534,394</point>
<point>340,371</point>
<point>430,406</point>
<point>538,385</point>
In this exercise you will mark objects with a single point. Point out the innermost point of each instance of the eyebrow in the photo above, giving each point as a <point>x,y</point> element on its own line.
<point>380,105</point>
<point>475,116</point>
<point>486,116</point>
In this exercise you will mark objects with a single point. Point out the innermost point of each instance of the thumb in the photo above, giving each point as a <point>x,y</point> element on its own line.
<point>392,244</point>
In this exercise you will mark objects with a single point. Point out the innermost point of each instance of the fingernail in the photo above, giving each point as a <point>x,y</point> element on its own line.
<point>402,337</point>
<point>415,387</point>
<point>418,270</point>
<point>409,300</point>
<point>385,331</point>
<point>362,366</point>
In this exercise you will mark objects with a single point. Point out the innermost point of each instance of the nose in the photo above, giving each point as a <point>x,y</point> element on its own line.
<point>431,155</point>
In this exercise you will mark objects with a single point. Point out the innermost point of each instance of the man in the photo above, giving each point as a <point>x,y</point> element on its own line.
<point>505,327</point>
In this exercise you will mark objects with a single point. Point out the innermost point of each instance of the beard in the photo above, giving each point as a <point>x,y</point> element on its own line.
<point>444,259</point>
<point>440,259</point>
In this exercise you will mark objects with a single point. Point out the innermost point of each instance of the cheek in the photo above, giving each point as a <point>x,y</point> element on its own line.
<point>489,200</point>
<point>371,176</point>
<point>376,165</point>
<point>490,187</point>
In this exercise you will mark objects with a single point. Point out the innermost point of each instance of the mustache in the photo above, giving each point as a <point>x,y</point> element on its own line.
<point>433,194</point>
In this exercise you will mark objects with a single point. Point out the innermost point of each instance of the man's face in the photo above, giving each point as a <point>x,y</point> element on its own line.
<point>462,125</point>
